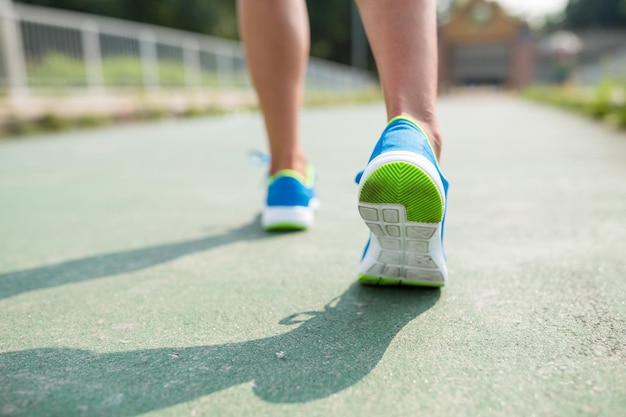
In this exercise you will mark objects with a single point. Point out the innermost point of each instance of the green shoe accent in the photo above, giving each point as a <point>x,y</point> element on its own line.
<point>374,280</point>
<point>405,184</point>
<point>285,227</point>
<point>308,180</point>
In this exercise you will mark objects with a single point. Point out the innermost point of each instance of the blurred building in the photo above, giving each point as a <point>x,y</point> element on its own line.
<point>482,44</point>
<point>601,55</point>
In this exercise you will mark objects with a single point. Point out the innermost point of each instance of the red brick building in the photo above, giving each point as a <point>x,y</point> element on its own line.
<point>482,44</point>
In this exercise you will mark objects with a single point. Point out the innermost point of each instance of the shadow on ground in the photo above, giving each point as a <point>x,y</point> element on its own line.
<point>327,352</point>
<point>100,266</point>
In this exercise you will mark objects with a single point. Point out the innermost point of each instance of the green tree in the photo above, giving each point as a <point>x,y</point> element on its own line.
<point>585,14</point>
<point>330,29</point>
<point>213,17</point>
<point>330,19</point>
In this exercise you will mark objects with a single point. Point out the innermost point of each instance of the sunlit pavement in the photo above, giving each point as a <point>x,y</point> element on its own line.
<point>134,276</point>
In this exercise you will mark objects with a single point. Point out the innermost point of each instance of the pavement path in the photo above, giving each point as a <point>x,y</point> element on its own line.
<point>134,277</point>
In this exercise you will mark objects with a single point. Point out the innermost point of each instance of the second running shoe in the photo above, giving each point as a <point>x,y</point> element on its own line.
<point>291,200</point>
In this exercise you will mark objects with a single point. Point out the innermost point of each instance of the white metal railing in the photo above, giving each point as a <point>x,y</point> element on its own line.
<point>45,48</point>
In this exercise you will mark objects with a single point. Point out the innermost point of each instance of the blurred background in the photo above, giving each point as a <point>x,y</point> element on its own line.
<point>88,62</point>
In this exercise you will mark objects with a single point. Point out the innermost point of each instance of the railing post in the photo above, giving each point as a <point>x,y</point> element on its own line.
<point>92,55</point>
<point>225,70</point>
<point>149,60</point>
<point>12,50</point>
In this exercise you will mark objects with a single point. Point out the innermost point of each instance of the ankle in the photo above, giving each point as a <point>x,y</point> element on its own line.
<point>297,164</point>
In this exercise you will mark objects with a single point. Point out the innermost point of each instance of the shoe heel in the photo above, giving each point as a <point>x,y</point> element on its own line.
<point>403,208</point>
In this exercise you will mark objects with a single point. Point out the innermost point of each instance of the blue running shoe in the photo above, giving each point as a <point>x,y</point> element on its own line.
<point>403,199</point>
<point>291,201</point>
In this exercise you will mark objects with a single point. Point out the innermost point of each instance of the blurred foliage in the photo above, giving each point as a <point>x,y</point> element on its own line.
<point>590,14</point>
<point>213,17</point>
<point>584,14</point>
<point>58,68</point>
<point>330,19</point>
<point>606,101</point>
<point>331,29</point>
<point>118,71</point>
<point>331,26</point>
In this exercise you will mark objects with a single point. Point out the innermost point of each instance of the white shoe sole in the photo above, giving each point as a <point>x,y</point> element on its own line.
<point>289,217</point>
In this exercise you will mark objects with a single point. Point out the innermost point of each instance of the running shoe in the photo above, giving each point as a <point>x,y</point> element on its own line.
<point>403,200</point>
<point>291,200</point>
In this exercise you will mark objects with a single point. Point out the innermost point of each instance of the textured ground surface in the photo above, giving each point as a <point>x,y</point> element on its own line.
<point>134,277</point>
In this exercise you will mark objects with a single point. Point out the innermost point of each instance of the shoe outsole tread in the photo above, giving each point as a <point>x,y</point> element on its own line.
<point>405,184</point>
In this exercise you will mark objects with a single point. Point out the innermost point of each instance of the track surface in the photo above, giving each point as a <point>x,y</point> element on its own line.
<point>135,278</point>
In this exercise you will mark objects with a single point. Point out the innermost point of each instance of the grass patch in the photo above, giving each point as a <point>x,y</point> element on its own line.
<point>329,98</point>
<point>605,102</point>
<point>60,70</point>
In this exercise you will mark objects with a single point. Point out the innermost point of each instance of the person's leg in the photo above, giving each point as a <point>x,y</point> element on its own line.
<point>275,34</point>
<point>403,36</point>
<point>402,193</point>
